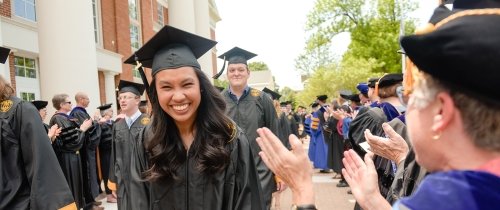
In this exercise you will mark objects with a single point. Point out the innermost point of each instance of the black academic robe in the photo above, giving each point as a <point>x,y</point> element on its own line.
<point>67,148</point>
<point>132,194</point>
<point>237,187</point>
<point>105,152</point>
<point>284,130</point>
<point>88,155</point>
<point>252,111</point>
<point>336,148</point>
<point>294,124</point>
<point>30,175</point>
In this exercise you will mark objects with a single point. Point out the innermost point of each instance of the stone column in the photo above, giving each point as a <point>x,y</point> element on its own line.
<point>202,22</point>
<point>67,50</point>
<point>181,14</point>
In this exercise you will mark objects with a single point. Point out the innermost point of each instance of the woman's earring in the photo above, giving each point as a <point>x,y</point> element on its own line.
<point>436,136</point>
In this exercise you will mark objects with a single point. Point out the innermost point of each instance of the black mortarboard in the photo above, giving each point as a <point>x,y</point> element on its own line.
<point>143,103</point>
<point>4,54</point>
<point>234,56</point>
<point>372,82</point>
<point>126,86</point>
<point>474,4</point>
<point>283,104</point>
<point>355,97</point>
<point>322,97</point>
<point>440,13</point>
<point>314,104</point>
<point>390,79</point>
<point>39,104</point>
<point>274,95</point>
<point>290,102</point>
<point>171,48</point>
<point>345,94</point>
<point>104,107</point>
<point>463,51</point>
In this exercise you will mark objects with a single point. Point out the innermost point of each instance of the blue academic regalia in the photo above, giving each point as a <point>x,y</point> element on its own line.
<point>457,190</point>
<point>320,149</point>
<point>312,142</point>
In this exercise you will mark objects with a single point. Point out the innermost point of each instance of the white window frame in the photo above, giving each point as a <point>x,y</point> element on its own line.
<point>25,67</point>
<point>96,9</point>
<point>21,95</point>
<point>160,18</point>
<point>13,5</point>
<point>137,23</point>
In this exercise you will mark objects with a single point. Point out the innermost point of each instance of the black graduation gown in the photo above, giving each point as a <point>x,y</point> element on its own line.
<point>284,130</point>
<point>67,148</point>
<point>30,176</point>
<point>237,187</point>
<point>252,111</point>
<point>88,155</point>
<point>132,194</point>
<point>105,152</point>
<point>336,148</point>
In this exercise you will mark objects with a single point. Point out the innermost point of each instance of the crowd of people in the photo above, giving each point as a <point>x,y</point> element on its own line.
<point>428,138</point>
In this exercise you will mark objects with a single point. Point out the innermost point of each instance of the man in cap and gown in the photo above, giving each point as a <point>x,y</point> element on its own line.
<point>131,193</point>
<point>237,186</point>
<point>106,124</point>
<point>31,177</point>
<point>250,109</point>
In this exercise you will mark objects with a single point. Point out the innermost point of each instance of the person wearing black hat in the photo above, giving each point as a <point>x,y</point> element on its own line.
<point>193,155</point>
<point>68,145</point>
<point>250,109</point>
<point>53,131</point>
<point>31,176</point>
<point>284,124</point>
<point>106,124</point>
<point>88,151</point>
<point>371,91</point>
<point>131,193</point>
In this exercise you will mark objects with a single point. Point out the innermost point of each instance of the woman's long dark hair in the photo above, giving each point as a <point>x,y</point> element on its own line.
<point>214,131</point>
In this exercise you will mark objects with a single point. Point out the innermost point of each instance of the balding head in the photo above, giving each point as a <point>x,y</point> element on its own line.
<point>82,99</point>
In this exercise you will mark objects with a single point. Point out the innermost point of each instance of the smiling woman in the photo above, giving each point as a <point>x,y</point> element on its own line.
<point>192,155</point>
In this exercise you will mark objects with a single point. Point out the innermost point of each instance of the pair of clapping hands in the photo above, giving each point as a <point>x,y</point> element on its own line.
<point>295,169</point>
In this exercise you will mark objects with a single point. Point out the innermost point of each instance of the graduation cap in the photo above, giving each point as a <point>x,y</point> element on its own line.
<point>283,104</point>
<point>355,98</point>
<point>143,103</point>
<point>39,104</point>
<point>104,106</point>
<point>322,97</point>
<point>127,86</point>
<point>345,94</point>
<point>4,54</point>
<point>372,82</point>
<point>389,79</point>
<point>234,56</point>
<point>274,95</point>
<point>314,104</point>
<point>476,4</point>
<point>362,87</point>
<point>462,51</point>
<point>170,48</point>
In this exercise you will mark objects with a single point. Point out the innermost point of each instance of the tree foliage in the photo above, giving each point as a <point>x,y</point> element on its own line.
<point>258,66</point>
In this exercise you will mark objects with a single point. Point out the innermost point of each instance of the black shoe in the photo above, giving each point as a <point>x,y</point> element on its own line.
<point>326,171</point>
<point>342,184</point>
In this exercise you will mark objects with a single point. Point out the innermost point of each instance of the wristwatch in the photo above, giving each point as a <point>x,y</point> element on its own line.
<point>304,207</point>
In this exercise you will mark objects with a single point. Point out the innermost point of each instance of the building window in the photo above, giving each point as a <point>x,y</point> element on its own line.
<point>160,14</point>
<point>25,9</point>
<point>25,67</point>
<point>27,96</point>
<point>135,26</point>
<point>136,73</point>
<point>96,21</point>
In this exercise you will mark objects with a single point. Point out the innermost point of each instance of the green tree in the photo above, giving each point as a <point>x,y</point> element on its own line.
<point>258,66</point>
<point>374,26</point>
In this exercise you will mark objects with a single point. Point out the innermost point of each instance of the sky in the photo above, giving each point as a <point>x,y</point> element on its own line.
<point>275,31</point>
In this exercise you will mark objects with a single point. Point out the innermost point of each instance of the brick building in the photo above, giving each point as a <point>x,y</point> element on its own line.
<point>66,46</point>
